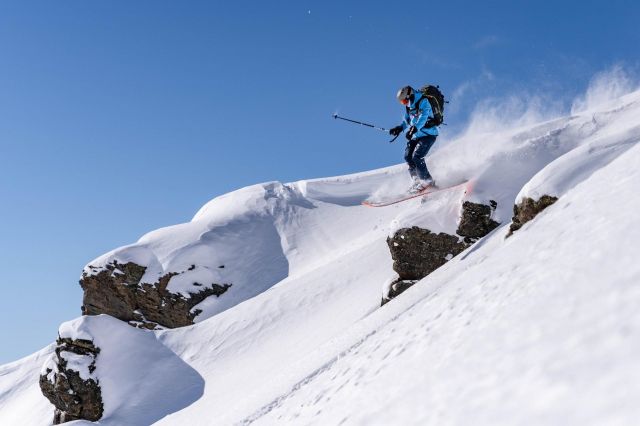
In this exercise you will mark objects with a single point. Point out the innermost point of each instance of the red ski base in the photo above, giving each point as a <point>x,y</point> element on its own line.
<point>427,191</point>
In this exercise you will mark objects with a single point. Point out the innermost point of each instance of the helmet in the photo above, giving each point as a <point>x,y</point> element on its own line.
<point>404,95</point>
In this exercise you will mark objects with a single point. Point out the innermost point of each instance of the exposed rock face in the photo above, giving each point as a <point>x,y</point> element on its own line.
<point>68,383</point>
<point>417,252</point>
<point>476,221</point>
<point>117,290</point>
<point>527,210</point>
<point>396,288</point>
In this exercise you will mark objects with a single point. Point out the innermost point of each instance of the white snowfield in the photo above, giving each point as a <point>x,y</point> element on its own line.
<point>542,328</point>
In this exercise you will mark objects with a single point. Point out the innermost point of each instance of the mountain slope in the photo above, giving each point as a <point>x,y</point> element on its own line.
<point>300,335</point>
<point>541,328</point>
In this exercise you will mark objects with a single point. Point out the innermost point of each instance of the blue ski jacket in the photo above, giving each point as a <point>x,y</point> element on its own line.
<point>417,115</point>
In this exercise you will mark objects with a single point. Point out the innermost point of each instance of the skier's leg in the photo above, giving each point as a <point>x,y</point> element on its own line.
<point>408,157</point>
<point>423,146</point>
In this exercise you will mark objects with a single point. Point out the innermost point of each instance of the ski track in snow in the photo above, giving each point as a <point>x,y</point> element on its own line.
<point>540,328</point>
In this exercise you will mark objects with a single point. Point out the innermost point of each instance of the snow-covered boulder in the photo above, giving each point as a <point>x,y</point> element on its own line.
<point>527,209</point>
<point>233,249</point>
<point>476,221</point>
<point>69,382</point>
<point>417,252</point>
<point>103,368</point>
<point>118,289</point>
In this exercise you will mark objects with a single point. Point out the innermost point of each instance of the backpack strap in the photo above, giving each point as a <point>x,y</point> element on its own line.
<point>409,110</point>
<point>432,122</point>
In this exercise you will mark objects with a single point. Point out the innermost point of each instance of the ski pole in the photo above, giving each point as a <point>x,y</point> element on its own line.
<point>336,116</point>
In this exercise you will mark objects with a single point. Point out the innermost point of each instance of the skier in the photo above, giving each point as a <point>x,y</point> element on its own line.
<point>421,135</point>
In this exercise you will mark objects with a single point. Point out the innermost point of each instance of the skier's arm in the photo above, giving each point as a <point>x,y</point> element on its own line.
<point>406,121</point>
<point>402,127</point>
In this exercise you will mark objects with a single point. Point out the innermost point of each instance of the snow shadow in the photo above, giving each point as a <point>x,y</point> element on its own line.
<point>141,380</point>
<point>336,192</point>
<point>251,250</point>
<point>170,385</point>
<point>352,190</point>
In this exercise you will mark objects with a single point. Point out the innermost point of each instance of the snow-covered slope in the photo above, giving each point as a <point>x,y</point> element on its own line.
<point>20,396</point>
<point>537,328</point>
<point>542,328</point>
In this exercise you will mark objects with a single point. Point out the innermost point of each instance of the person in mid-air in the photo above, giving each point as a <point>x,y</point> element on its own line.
<point>421,135</point>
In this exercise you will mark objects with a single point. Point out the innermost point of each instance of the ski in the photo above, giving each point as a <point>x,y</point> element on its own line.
<point>427,191</point>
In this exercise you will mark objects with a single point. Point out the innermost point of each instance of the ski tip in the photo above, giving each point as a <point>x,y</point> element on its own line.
<point>469,185</point>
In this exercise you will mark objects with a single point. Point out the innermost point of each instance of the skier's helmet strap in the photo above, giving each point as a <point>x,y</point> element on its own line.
<point>404,95</point>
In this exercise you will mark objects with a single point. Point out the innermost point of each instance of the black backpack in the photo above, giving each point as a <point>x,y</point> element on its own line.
<point>436,99</point>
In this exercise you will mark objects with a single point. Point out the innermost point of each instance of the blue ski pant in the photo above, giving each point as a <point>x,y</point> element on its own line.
<point>414,156</point>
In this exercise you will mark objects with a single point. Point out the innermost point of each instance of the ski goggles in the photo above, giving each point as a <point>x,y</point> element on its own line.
<point>405,101</point>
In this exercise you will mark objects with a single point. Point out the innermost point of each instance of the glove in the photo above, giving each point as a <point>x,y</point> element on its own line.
<point>411,132</point>
<point>395,131</point>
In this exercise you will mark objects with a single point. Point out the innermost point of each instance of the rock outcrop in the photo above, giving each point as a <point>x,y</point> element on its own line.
<point>476,221</point>
<point>417,252</point>
<point>396,288</point>
<point>116,289</point>
<point>68,381</point>
<point>527,209</point>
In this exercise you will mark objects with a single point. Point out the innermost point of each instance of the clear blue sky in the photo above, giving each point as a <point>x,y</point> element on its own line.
<point>119,117</point>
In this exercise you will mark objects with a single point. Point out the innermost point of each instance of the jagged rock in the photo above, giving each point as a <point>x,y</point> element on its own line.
<point>396,288</point>
<point>68,382</point>
<point>527,210</point>
<point>476,221</point>
<point>116,290</point>
<point>417,252</point>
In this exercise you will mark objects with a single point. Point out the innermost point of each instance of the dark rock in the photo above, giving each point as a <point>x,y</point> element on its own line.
<point>116,290</point>
<point>476,221</point>
<point>75,398</point>
<point>397,287</point>
<point>417,252</point>
<point>527,210</point>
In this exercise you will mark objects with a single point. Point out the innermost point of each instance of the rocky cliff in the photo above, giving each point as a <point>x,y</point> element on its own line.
<point>117,290</point>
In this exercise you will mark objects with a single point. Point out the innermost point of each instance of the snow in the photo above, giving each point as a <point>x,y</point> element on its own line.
<point>612,138</point>
<point>604,90</point>
<point>445,209</point>
<point>137,374</point>
<point>79,363</point>
<point>521,335</point>
<point>386,285</point>
<point>49,368</point>
<point>539,328</point>
<point>193,281</point>
<point>21,402</point>
<point>136,254</point>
